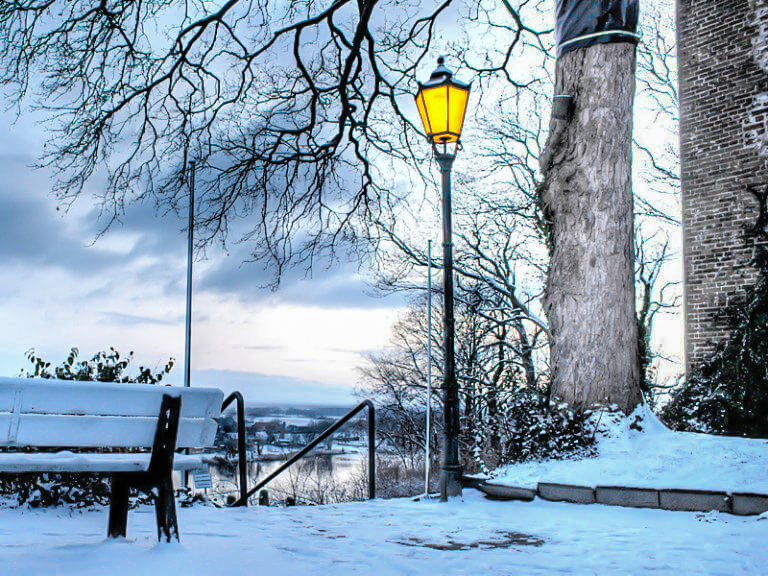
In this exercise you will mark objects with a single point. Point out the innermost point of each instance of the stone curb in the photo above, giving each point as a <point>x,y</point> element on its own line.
<point>498,492</point>
<point>746,504</point>
<point>695,500</point>
<point>566,493</point>
<point>739,503</point>
<point>629,497</point>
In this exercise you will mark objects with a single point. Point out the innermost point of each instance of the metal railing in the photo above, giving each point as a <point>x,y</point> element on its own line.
<point>328,431</point>
<point>242,461</point>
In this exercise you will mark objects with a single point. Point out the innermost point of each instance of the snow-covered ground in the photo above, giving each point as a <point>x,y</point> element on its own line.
<point>391,537</point>
<point>653,457</point>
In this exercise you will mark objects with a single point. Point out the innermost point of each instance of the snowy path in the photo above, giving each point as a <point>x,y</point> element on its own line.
<point>383,538</point>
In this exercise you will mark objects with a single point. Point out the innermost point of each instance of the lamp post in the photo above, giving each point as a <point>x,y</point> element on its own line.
<point>442,103</point>
<point>427,457</point>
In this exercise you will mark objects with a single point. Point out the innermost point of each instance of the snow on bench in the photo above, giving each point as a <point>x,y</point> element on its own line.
<point>37,413</point>
<point>65,461</point>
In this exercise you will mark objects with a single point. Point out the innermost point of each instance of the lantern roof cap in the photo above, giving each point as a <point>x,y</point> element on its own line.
<point>443,74</point>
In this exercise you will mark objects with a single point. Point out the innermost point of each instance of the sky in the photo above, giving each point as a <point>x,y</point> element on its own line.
<point>63,285</point>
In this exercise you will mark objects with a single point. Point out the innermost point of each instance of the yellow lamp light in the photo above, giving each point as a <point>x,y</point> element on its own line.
<point>442,104</point>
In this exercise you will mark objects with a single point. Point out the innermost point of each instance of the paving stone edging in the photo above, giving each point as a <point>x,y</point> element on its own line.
<point>566,493</point>
<point>739,503</point>
<point>630,497</point>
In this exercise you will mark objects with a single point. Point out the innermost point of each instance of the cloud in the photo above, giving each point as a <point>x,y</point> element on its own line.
<point>340,285</point>
<point>263,348</point>
<point>264,388</point>
<point>152,232</point>
<point>36,232</point>
<point>230,272</point>
<point>31,232</point>
<point>152,249</point>
<point>64,284</point>
<point>122,319</point>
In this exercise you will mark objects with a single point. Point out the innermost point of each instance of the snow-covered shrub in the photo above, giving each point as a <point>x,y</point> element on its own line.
<point>105,366</point>
<point>396,480</point>
<point>530,427</point>
<point>729,393</point>
<point>36,490</point>
<point>42,490</point>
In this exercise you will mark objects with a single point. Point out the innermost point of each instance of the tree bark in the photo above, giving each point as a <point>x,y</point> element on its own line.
<point>587,197</point>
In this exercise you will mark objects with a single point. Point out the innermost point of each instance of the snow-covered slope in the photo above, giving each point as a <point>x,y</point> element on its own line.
<point>639,451</point>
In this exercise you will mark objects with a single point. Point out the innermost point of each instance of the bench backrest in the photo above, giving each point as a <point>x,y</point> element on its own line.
<point>59,413</point>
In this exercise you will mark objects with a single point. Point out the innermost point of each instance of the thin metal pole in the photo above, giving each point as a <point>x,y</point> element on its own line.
<point>188,332</point>
<point>190,244</point>
<point>450,478</point>
<point>429,365</point>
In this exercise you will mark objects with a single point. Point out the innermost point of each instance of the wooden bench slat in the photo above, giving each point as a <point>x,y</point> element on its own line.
<point>105,463</point>
<point>41,396</point>
<point>46,430</point>
<point>55,413</point>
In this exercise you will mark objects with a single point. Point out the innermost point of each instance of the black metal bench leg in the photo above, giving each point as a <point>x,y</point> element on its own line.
<point>161,468</point>
<point>165,510</point>
<point>118,507</point>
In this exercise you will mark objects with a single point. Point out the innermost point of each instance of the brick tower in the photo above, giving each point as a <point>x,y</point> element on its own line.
<point>723,61</point>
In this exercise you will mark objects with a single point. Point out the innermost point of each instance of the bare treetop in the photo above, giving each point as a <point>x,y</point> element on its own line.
<point>284,106</point>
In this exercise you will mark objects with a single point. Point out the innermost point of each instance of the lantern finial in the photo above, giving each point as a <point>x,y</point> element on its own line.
<point>441,72</point>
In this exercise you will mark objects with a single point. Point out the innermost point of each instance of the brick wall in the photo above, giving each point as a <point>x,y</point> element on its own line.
<point>723,60</point>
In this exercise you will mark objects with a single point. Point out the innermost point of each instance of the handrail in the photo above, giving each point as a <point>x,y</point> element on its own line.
<point>328,431</point>
<point>241,453</point>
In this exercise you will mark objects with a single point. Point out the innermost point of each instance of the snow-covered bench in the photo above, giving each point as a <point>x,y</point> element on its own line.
<point>90,415</point>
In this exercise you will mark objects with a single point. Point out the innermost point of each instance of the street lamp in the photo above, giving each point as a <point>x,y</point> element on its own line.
<point>442,103</point>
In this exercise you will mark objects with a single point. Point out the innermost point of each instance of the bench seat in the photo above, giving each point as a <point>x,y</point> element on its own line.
<point>107,463</point>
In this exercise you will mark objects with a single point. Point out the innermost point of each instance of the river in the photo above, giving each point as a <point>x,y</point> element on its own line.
<point>324,478</point>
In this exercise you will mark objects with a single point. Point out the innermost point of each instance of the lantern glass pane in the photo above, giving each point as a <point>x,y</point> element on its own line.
<point>436,104</point>
<point>423,113</point>
<point>458,100</point>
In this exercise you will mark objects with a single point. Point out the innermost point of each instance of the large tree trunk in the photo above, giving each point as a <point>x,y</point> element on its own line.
<point>587,193</point>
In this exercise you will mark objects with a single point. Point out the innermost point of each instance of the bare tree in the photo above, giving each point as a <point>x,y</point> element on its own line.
<point>290,110</point>
<point>502,229</point>
<point>491,365</point>
<point>657,93</point>
<point>655,295</point>
<point>658,269</point>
